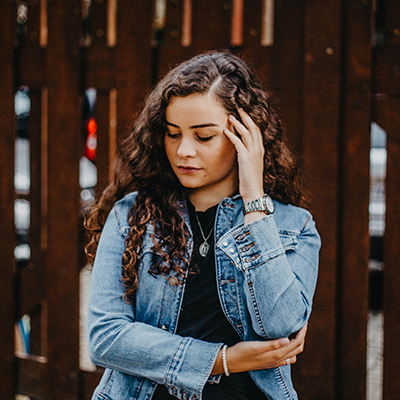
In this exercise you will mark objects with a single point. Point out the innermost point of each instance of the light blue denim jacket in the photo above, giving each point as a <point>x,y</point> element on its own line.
<point>266,274</point>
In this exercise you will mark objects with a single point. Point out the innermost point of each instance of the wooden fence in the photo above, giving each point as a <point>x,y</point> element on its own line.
<point>330,83</point>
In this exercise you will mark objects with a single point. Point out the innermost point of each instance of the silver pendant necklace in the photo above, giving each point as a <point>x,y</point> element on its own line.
<point>204,247</point>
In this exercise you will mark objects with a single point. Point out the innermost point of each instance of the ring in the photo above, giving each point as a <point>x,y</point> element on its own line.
<point>288,361</point>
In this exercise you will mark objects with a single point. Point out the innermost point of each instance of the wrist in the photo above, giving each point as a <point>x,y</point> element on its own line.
<point>252,196</point>
<point>263,203</point>
<point>224,360</point>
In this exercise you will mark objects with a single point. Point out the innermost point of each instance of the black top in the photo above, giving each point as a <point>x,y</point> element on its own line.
<point>201,315</point>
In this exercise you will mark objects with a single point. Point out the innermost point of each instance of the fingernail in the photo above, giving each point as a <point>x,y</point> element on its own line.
<point>284,341</point>
<point>232,118</point>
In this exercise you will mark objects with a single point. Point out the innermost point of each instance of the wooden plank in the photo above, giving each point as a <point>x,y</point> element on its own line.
<point>171,52</point>
<point>321,105</point>
<point>31,279</point>
<point>387,112</point>
<point>64,151</point>
<point>7,235</point>
<point>211,25</point>
<point>279,66</point>
<point>32,62</point>
<point>32,373</point>
<point>387,53</point>
<point>100,59</point>
<point>103,139</point>
<point>133,63</point>
<point>353,234</point>
<point>89,380</point>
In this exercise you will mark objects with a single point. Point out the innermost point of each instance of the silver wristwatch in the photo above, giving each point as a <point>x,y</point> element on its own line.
<point>264,203</point>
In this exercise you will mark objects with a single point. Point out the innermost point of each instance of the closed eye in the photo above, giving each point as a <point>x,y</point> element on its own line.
<point>204,139</point>
<point>172,135</point>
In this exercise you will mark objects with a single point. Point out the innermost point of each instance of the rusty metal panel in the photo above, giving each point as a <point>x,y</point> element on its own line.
<point>7,234</point>
<point>321,105</point>
<point>386,114</point>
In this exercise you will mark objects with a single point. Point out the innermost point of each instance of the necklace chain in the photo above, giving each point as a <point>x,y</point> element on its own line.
<point>204,247</point>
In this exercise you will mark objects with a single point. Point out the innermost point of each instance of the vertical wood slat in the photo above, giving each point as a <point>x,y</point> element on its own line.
<point>99,57</point>
<point>133,58</point>
<point>267,28</point>
<point>32,54</point>
<point>64,150</point>
<point>280,67</point>
<point>211,25</point>
<point>353,234</point>
<point>103,139</point>
<point>387,112</point>
<point>31,279</point>
<point>320,154</point>
<point>7,235</point>
<point>171,52</point>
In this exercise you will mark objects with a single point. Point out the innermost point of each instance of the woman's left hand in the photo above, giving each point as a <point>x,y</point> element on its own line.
<point>250,154</point>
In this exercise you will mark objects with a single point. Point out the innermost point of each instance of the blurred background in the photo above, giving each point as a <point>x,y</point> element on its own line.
<point>73,75</point>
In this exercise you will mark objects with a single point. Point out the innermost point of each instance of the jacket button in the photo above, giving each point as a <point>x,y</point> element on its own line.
<point>225,244</point>
<point>164,328</point>
<point>232,250</point>
<point>173,281</point>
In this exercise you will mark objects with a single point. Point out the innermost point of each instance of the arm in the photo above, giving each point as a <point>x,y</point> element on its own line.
<point>279,278</point>
<point>250,356</point>
<point>117,340</point>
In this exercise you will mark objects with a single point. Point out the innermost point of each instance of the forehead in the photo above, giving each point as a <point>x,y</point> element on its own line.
<point>195,109</point>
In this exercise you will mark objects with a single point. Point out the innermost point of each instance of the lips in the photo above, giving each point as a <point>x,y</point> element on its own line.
<point>187,169</point>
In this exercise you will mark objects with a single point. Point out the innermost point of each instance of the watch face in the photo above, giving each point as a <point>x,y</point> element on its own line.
<point>270,204</point>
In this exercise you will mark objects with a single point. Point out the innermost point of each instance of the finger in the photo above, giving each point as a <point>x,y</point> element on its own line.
<point>234,139</point>
<point>288,361</point>
<point>251,126</point>
<point>301,334</point>
<point>247,120</point>
<point>241,129</point>
<point>294,347</point>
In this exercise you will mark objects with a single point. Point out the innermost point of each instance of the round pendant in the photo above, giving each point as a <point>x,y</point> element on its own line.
<point>203,249</point>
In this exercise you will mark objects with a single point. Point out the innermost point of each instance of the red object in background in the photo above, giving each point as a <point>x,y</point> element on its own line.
<point>91,140</point>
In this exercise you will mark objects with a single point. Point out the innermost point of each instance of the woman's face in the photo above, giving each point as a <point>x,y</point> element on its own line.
<point>200,154</point>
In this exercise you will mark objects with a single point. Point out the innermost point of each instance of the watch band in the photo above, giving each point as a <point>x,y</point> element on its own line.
<point>263,203</point>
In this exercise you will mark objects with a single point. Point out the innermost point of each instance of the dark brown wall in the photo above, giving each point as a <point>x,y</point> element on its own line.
<point>322,71</point>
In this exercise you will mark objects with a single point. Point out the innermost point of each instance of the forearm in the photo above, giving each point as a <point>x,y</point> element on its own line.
<point>278,272</point>
<point>255,355</point>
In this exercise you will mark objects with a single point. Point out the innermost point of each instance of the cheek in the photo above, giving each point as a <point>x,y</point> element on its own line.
<point>168,149</point>
<point>225,157</point>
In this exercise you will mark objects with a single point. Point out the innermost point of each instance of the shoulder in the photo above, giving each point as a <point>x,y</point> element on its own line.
<point>121,209</point>
<point>291,217</point>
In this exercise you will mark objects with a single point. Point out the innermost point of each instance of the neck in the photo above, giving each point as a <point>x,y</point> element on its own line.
<point>203,201</point>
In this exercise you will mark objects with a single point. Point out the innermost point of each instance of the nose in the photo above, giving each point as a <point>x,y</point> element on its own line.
<point>186,148</point>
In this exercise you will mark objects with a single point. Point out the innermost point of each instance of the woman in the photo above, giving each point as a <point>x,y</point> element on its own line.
<point>206,262</point>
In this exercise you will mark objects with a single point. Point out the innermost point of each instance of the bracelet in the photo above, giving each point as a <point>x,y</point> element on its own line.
<point>225,365</point>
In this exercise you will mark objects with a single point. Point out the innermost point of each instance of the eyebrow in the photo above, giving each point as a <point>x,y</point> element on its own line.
<point>194,126</point>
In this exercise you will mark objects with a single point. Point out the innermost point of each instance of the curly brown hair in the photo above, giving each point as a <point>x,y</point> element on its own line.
<point>142,164</point>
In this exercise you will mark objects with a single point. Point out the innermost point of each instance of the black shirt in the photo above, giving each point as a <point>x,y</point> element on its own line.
<point>201,315</point>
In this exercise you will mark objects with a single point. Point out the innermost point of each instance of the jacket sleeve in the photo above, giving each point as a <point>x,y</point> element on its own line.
<point>280,272</point>
<point>117,341</point>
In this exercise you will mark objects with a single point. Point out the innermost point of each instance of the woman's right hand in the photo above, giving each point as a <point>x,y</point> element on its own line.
<point>254,355</point>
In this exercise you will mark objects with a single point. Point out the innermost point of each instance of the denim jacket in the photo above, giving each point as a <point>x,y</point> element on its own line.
<point>266,275</point>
